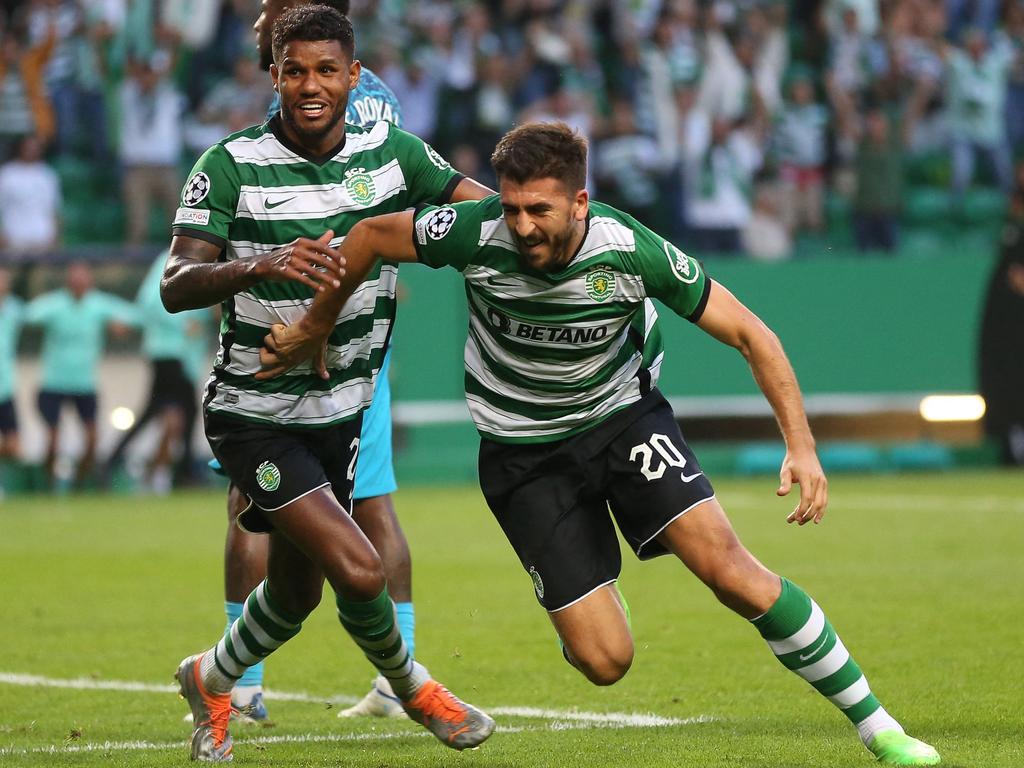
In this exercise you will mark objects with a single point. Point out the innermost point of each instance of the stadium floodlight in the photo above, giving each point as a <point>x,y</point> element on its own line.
<point>952,407</point>
<point>122,418</point>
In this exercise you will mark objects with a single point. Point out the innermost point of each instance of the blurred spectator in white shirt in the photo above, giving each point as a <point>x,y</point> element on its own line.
<point>30,201</point>
<point>151,144</point>
<point>976,99</point>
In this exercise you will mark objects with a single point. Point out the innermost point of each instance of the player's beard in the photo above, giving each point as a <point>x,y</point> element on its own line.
<point>288,115</point>
<point>558,250</point>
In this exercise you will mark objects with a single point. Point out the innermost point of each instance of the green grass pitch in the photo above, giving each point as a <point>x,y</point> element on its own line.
<point>921,575</point>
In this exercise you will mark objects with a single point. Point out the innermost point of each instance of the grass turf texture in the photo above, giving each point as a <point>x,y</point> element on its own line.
<point>920,575</point>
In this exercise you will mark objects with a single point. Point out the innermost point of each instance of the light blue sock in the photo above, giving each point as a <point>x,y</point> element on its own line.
<point>254,674</point>
<point>407,625</point>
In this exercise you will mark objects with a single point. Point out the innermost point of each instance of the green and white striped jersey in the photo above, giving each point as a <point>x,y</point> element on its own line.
<point>256,191</point>
<point>552,355</point>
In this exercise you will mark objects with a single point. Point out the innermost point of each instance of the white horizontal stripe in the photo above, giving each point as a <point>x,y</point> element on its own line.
<point>571,294</point>
<point>363,141</point>
<point>257,631</point>
<point>852,695</point>
<point>274,616</point>
<point>832,662</point>
<point>312,408</point>
<point>315,201</point>
<point>263,150</point>
<point>581,369</point>
<point>225,660</point>
<point>266,312</point>
<point>496,421</point>
<point>605,234</point>
<point>244,653</point>
<point>538,397</point>
<point>804,636</point>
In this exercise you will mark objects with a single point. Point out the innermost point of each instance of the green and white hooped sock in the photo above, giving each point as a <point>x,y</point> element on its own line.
<point>263,627</point>
<point>373,626</point>
<point>802,638</point>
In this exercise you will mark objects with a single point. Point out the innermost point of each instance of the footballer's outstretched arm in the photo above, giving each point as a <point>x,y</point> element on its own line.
<point>729,321</point>
<point>388,237</point>
<point>194,278</point>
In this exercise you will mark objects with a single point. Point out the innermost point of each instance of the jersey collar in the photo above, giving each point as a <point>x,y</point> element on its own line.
<point>278,130</point>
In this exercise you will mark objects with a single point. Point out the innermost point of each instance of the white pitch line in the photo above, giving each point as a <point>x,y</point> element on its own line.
<point>607,719</point>
<point>313,738</point>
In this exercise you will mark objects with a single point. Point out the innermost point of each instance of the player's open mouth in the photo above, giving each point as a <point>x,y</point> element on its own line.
<point>312,109</point>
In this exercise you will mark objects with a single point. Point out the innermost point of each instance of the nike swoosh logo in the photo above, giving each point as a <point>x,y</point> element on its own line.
<point>690,478</point>
<point>268,205</point>
<point>805,657</point>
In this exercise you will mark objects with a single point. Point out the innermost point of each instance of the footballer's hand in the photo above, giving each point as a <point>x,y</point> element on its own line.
<point>311,262</point>
<point>289,345</point>
<point>803,468</point>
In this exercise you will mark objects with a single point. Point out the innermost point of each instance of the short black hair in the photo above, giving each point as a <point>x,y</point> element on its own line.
<point>541,151</point>
<point>341,6</point>
<point>313,23</point>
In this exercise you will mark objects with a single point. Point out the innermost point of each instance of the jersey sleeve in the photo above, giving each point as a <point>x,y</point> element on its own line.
<point>671,276</point>
<point>210,198</point>
<point>447,235</point>
<point>429,177</point>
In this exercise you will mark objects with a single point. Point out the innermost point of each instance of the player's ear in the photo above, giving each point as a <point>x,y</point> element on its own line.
<point>581,205</point>
<point>354,70</point>
<point>274,74</point>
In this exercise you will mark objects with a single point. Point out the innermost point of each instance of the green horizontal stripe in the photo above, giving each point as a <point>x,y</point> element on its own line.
<point>863,708</point>
<point>824,643</point>
<point>252,645</point>
<point>285,230</point>
<point>305,383</point>
<point>292,291</point>
<point>267,624</point>
<point>529,411</point>
<point>511,376</point>
<point>249,335</point>
<point>549,313</point>
<point>840,680</point>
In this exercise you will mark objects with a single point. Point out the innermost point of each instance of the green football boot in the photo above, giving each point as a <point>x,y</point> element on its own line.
<point>896,748</point>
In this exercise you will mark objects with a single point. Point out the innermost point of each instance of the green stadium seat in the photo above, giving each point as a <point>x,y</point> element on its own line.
<point>919,456</point>
<point>760,458</point>
<point>851,457</point>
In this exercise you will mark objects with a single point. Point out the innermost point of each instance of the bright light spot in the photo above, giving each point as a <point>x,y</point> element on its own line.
<point>122,418</point>
<point>952,407</point>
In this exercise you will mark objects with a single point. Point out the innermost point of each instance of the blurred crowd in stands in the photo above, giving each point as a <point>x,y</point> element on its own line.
<point>733,126</point>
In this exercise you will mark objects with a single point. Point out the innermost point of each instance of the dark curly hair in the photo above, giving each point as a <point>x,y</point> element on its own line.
<point>542,151</point>
<point>313,23</point>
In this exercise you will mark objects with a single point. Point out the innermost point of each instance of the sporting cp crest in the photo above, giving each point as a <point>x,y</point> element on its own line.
<point>360,186</point>
<point>600,284</point>
<point>538,583</point>
<point>197,188</point>
<point>268,476</point>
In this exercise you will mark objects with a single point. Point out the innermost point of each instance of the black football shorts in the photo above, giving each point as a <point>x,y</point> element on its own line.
<point>275,466</point>
<point>552,499</point>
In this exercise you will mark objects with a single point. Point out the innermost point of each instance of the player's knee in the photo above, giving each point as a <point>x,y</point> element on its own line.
<point>607,665</point>
<point>606,671</point>
<point>365,577</point>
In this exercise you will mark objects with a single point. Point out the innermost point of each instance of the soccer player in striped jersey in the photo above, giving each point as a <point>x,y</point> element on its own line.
<point>245,554</point>
<point>562,363</point>
<point>261,217</point>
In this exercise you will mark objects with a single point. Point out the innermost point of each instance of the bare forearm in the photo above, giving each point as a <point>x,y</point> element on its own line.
<point>359,259</point>
<point>380,237</point>
<point>775,377</point>
<point>189,284</point>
